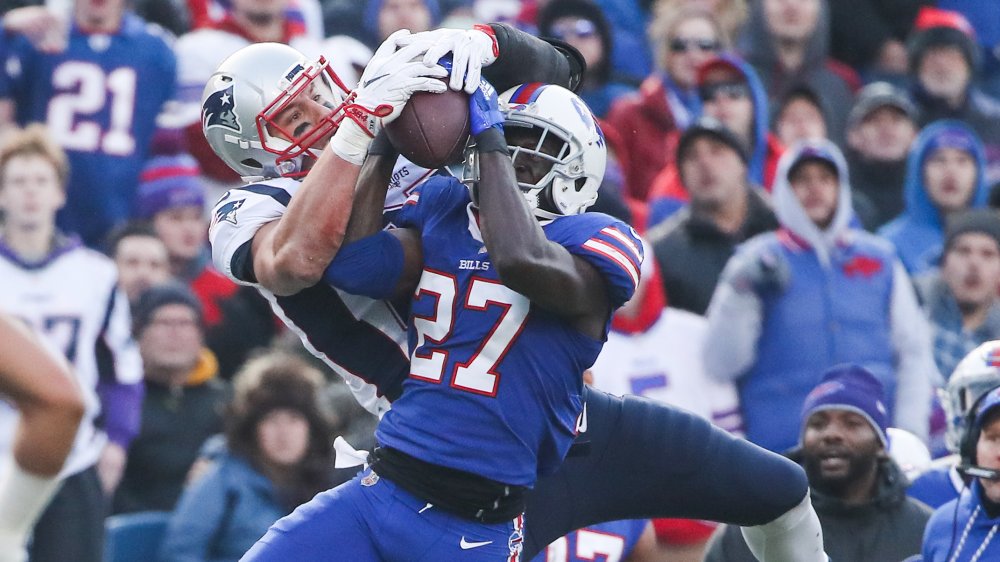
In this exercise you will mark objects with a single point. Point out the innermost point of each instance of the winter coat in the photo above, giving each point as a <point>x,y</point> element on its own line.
<point>963,526</point>
<point>222,514</point>
<point>692,251</point>
<point>918,233</point>
<point>795,302</point>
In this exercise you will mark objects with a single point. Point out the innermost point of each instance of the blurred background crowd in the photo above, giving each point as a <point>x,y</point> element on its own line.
<point>723,119</point>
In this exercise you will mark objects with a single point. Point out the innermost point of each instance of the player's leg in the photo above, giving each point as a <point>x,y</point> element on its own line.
<point>642,459</point>
<point>72,526</point>
<point>334,524</point>
<point>423,532</point>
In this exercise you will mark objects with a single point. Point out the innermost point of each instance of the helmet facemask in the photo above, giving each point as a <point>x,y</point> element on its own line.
<point>314,80</point>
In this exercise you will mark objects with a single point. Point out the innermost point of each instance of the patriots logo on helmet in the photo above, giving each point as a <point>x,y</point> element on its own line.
<point>218,111</point>
<point>227,212</point>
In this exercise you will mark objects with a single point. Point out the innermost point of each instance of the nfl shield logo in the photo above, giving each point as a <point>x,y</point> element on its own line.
<point>370,480</point>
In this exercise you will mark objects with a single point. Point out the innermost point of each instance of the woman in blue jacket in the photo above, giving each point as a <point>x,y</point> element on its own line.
<point>279,455</point>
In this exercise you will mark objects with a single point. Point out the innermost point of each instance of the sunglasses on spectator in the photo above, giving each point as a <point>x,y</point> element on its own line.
<point>579,28</point>
<point>732,90</point>
<point>684,45</point>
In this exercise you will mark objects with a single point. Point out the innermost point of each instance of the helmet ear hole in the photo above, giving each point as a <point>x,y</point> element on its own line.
<point>250,162</point>
<point>580,182</point>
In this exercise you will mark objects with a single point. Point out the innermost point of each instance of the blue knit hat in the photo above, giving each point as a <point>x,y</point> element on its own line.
<point>853,388</point>
<point>169,182</point>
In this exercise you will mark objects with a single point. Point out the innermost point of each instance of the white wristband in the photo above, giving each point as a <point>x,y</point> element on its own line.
<point>23,497</point>
<point>351,142</point>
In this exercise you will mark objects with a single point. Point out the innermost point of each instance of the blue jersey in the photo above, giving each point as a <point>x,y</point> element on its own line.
<point>494,384</point>
<point>604,542</point>
<point>99,98</point>
<point>937,486</point>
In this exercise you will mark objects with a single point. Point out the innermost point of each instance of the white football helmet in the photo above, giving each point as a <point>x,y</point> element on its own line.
<point>246,93</point>
<point>975,375</point>
<point>578,167</point>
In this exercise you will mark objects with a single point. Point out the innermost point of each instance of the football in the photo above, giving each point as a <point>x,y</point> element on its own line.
<point>433,129</point>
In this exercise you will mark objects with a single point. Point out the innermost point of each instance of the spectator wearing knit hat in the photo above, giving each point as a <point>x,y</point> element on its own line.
<point>961,299</point>
<point>944,62</point>
<point>182,406</point>
<point>858,491</point>
<point>171,196</point>
<point>279,455</point>
<point>881,128</point>
<point>582,24</point>
<point>693,246</point>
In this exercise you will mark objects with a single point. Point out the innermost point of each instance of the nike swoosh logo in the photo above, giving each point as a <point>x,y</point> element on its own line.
<point>467,545</point>
<point>581,422</point>
<point>377,78</point>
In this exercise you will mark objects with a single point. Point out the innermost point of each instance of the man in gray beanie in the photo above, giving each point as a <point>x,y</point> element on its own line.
<point>183,399</point>
<point>960,298</point>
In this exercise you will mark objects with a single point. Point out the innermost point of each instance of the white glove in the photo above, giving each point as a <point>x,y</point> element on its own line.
<point>471,50</point>
<point>387,83</point>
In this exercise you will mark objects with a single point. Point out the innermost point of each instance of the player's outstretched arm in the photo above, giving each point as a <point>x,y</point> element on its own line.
<point>373,262</point>
<point>51,408</point>
<point>526,261</point>
<point>505,55</point>
<point>291,254</point>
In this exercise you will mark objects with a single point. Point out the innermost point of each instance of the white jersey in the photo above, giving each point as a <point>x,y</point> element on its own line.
<point>361,339</point>
<point>664,363</point>
<point>72,301</point>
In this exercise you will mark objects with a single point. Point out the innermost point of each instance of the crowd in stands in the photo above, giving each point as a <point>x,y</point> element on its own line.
<point>817,183</point>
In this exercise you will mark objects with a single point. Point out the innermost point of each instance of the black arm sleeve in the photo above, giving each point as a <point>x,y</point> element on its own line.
<point>526,58</point>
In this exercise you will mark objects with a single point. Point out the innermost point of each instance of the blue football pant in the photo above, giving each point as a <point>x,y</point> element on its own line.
<point>641,459</point>
<point>636,459</point>
<point>372,519</point>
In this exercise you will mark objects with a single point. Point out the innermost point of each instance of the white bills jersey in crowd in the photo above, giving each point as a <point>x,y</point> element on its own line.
<point>664,363</point>
<point>327,320</point>
<point>72,301</point>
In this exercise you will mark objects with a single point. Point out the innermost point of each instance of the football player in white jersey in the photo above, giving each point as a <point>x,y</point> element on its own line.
<point>51,408</point>
<point>269,115</point>
<point>69,295</point>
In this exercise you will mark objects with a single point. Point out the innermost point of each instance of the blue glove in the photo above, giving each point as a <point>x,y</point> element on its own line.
<point>484,112</point>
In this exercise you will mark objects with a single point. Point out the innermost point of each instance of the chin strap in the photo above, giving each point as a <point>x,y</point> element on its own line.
<point>795,536</point>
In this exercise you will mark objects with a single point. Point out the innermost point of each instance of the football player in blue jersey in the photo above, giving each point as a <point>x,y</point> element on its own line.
<point>633,458</point>
<point>506,315</point>
<point>99,95</point>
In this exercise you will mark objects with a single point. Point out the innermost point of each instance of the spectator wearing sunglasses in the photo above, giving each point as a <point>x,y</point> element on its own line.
<point>667,101</point>
<point>582,24</point>
<point>732,14</point>
<point>788,44</point>
<point>730,92</point>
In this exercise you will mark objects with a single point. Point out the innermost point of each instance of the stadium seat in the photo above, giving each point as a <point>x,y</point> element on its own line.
<point>134,537</point>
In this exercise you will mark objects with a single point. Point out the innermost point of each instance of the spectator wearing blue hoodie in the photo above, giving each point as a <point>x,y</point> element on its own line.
<point>944,67</point>
<point>817,292</point>
<point>945,174</point>
<point>582,24</point>
<point>730,92</point>
<point>788,43</point>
